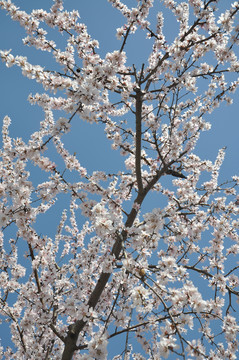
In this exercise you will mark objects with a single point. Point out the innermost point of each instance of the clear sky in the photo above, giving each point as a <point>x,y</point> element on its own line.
<point>88,141</point>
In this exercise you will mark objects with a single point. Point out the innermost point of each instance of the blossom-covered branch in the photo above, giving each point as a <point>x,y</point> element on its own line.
<point>116,264</point>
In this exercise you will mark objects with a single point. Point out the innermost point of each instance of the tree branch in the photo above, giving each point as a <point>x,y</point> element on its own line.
<point>138,139</point>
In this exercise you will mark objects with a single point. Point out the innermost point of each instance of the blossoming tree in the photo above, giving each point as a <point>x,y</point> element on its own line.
<point>162,280</point>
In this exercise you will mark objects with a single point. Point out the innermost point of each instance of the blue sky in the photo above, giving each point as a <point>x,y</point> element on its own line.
<point>88,141</point>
